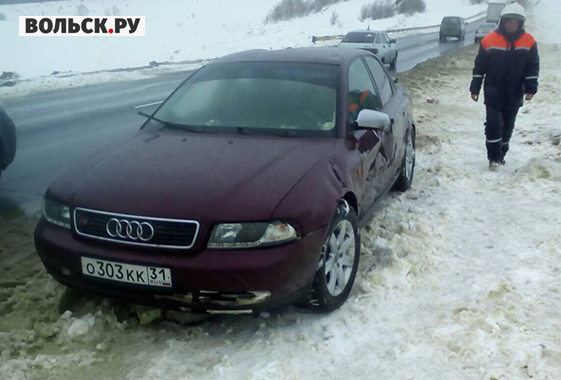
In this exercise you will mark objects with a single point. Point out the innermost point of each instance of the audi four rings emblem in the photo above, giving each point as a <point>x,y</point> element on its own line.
<point>133,230</point>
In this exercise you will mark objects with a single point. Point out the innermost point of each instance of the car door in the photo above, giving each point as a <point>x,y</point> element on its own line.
<point>362,94</point>
<point>382,47</point>
<point>392,48</point>
<point>395,107</point>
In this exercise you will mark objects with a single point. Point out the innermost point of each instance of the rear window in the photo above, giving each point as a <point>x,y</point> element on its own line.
<point>363,38</point>
<point>488,27</point>
<point>451,21</point>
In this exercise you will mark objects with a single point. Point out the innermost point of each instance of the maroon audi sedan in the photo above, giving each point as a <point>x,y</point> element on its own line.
<point>244,191</point>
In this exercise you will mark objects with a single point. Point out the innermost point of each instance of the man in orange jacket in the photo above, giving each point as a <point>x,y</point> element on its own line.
<point>508,60</point>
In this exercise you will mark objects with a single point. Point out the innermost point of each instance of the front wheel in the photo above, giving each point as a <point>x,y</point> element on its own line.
<point>405,179</point>
<point>338,262</point>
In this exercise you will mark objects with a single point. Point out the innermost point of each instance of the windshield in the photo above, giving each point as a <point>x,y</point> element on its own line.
<point>249,97</point>
<point>363,38</point>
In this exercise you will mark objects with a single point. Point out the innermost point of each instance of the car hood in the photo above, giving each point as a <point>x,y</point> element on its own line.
<point>176,174</point>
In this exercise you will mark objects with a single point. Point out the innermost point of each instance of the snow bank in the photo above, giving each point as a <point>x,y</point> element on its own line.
<point>76,79</point>
<point>179,30</point>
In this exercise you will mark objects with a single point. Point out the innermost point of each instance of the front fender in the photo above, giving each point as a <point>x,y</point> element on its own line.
<point>310,204</point>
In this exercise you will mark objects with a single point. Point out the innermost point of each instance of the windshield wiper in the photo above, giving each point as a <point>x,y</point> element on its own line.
<point>177,126</point>
<point>266,132</point>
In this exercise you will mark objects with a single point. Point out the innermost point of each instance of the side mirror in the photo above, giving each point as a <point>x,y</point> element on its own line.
<point>393,41</point>
<point>370,119</point>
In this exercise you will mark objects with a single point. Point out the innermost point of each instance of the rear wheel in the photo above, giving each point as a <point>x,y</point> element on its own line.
<point>393,65</point>
<point>338,262</point>
<point>405,179</point>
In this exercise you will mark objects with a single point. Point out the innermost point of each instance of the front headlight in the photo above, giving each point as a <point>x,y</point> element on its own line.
<point>56,213</point>
<point>251,235</point>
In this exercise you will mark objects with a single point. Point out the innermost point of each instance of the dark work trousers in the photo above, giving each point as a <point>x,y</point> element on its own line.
<point>498,130</point>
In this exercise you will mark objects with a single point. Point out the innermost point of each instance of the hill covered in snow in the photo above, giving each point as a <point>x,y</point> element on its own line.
<point>179,30</point>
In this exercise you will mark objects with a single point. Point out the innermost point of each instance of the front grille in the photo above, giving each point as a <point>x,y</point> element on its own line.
<point>154,232</point>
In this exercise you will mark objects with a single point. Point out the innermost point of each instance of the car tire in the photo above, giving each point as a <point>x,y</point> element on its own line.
<point>336,271</point>
<point>393,65</point>
<point>407,171</point>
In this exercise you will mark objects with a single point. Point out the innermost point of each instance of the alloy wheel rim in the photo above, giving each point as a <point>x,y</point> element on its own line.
<point>339,253</point>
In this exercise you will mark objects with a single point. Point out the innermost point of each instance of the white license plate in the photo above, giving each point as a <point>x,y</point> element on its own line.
<point>132,274</point>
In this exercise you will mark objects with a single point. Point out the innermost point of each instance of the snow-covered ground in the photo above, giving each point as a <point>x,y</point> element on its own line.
<point>176,31</point>
<point>549,14</point>
<point>460,278</point>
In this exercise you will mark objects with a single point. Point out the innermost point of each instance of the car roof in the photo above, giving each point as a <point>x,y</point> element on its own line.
<point>323,55</point>
<point>366,31</point>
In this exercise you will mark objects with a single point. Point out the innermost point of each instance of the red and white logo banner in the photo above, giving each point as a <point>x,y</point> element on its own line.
<point>82,26</point>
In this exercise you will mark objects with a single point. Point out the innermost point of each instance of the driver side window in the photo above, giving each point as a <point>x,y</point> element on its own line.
<point>361,94</point>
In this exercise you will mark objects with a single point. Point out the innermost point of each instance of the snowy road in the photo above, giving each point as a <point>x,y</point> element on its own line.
<point>59,127</point>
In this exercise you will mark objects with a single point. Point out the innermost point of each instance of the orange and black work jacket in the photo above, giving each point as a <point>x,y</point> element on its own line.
<point>362,100</point>
<point>510,68</point>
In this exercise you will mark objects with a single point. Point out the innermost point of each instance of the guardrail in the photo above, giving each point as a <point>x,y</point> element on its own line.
<point>475,17</point>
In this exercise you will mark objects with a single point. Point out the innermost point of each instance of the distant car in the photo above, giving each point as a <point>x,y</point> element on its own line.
<point>7,139</point>
<point>376,42</point>
<point>484,30</point>
<point>453,27</point>
<point>244,191</point>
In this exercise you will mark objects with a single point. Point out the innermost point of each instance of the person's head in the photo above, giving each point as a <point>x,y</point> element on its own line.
<point>513,18</point>
<point>511,25</point>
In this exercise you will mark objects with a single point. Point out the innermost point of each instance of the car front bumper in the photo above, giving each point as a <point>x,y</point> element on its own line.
<point>211,281</point>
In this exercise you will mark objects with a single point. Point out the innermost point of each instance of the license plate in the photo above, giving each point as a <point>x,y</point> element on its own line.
<point>129,273</point>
